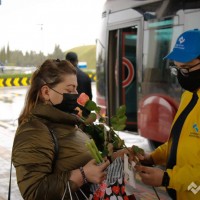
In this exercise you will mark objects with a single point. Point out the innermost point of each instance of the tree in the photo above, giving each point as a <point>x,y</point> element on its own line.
<point>57,54</point>
<point>3,55</point>
<point>7,54</point>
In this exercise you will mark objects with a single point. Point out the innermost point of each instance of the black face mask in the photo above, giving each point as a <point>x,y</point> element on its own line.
<point>191,81</point>
<point>68,104</point>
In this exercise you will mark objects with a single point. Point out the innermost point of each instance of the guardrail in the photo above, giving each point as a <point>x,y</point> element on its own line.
<point>17,81</point>
<point>92,75</point>
<point>24,80</point>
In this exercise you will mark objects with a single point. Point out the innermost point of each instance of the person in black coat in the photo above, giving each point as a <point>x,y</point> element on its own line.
<point>84,81</point>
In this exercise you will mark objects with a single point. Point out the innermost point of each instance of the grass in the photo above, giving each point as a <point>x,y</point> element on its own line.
<point>14,75</point>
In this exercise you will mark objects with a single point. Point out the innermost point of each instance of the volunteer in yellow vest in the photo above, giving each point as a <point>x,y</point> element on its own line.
<point>181,154</point>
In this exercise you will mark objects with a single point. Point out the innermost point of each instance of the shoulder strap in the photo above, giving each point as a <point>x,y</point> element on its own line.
<point>56,148</point>
<point>9,187</point>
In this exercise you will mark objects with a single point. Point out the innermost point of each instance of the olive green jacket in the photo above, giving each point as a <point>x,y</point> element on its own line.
<point>33,153</point>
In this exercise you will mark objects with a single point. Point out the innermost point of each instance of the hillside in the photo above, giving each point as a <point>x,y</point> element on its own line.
<point>86,54</point>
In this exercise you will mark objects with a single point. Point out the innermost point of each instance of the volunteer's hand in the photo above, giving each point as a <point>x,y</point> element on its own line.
<point>150,175</point>
<point>145,159</point>
<point>141,157</point>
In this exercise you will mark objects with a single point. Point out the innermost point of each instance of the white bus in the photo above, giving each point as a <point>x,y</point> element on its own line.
<point>134,38</point>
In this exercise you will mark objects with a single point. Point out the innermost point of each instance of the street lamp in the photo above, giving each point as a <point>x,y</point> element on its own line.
<point>42,41</point>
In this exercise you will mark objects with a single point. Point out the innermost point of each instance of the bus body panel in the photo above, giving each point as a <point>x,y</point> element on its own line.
<point>134,39</point>
<point>155,116</point>
<point>119,5</point>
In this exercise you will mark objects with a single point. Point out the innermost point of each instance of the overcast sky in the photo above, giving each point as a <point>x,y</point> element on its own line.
<point>40,24</point>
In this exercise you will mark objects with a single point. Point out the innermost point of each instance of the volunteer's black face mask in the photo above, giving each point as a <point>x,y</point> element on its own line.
<point>68,104</point>
<point>191,81</point>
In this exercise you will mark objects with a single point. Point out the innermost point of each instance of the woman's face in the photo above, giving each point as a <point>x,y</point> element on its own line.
<point>69,85</point>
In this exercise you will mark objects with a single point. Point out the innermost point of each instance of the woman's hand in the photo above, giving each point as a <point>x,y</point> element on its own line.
<point>150,176</point>
<point>95,173</point>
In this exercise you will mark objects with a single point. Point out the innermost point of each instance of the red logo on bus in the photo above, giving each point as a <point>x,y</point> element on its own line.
<point>131,73</point>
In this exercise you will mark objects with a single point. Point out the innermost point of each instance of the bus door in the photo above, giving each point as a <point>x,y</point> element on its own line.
<point>122,70</point>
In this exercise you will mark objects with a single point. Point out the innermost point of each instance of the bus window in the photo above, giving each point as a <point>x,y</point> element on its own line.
<point>128,75</point>
<point>156,74</point>
<point>100,74</point>
<point>160,90</point>
<point>155,48</point>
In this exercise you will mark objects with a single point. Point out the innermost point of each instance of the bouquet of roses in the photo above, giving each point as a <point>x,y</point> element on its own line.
<point>104,141</point>
<point>104,137</point>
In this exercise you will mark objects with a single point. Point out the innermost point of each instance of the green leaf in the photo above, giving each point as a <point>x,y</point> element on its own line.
<point>97,131</point>
<point>91,105</point>
<point>122,120</point>
<point>98,109</point>
<point>121,111</point>
<point>89,130</point>
<point>118,143</point>
<point>104,152</point>
<point>118,127</point>
<point>91,118</point>
<point>102,120</point>
<point>99,127</point>
<point>114,119</point>
<point>137,150</point>
<point>117,120</point>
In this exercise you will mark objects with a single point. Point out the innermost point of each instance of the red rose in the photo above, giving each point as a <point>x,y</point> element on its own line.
<point>83,99</point>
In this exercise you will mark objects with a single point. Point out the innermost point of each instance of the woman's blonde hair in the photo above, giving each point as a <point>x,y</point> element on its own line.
<point>49,73</point>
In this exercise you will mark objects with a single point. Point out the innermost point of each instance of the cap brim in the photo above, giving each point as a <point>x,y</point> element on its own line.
<point>180,56</point>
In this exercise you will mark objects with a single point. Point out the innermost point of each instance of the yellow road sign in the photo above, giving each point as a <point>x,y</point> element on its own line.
<point>8,82</point>
<point>1,82</point>
<point>16,82</point>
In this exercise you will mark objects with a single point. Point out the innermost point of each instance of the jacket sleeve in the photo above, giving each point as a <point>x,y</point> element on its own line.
<point>159,155</point>
<point>32,156</point>
<point>182,177</point>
